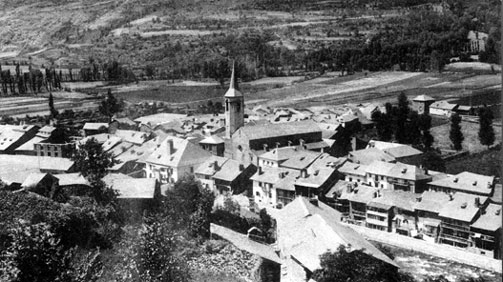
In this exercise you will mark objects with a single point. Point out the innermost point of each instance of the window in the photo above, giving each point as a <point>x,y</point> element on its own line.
<point>191,169</point>
<point>257,194</point>
<point>382,177</point>
<point>350,179</point>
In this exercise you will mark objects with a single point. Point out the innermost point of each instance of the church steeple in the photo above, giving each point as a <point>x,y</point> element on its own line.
<point>234,106</point>
<point>233,91</point>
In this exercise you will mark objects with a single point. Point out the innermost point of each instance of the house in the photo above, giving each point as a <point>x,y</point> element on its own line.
<point>486,234</point>
<point>92,128</point>
<point>265,193</point>
<point>427,210</point>
<point>395,210</point>
<point>457,215</point>
<point>313,182</point>
<point>476,41</point>
<point>73,184</point>
<point>44,184</point>
<point>354,199</point>
<point>28,148</point>
<point>329,130</point>
<point>422,104</point>
<point>19,163</point>
<point>224,175</point>
<point>354,172</point>
<point>308,228</point>
<point>14,136</point>
<point>250,141</point>
<point>397,176</point>
<point>214,145</point>
<point>400,152</point>
<point>443,108</point>
<point>131,159</point>
<point>465,182</point>
<point>173,158</point>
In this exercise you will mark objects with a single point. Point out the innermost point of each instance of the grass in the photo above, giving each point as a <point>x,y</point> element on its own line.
<point>486,163</point>
<point>470,132</point>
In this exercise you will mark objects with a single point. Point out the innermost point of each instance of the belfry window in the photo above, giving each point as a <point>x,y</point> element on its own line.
<point>226,105</point>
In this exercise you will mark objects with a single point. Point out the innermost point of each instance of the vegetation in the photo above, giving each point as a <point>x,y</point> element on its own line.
<point>110,106</point>
<point>486,131</point>
<point>344,265</point>
<point>455,133</point>
<point>433,161</point>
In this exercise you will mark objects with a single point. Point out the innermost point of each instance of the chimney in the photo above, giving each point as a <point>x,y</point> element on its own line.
<point>260,171</point>
<point>215,166</point>
<point>474,183</point>
<point>498,211</point>
<point>313,201</point>
<point>265,147</point>
<point>316,172</point>
<point>277,145</point>
<point>241,167</point>
<point>456,180</point>
<point>353,143</point>
<point>303,173</point>
<point>289,143</point>
<point>170,146</point>
<point>281,175</point>
<point>349,188</point>
<point>477,202</point>
<point>301,143</point>
<point>451,197</point>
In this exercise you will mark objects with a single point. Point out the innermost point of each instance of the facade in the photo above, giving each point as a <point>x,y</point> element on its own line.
<point>397,177</point>
<point>92,128</point>
<point>443,108</point>
<point>476,41</point>
<point>234,108</point>
<point>173,158</point>
<point>486,232</point>
<point>422,104</point>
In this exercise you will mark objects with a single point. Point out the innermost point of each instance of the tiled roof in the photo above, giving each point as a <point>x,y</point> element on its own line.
<point>462,207</point>
<point>306,231</point>
<point>316,177</point>
<point>400,199</point>
<point>213,139</point>
<point>432,201</point>
<point>229,172</point>
<point>490,220</point>
<point>33,179</point>
<point>467,182</point>
<point>278,129</point>
<point>208,166</point>
<point>423,98</point>
<point>402,151</point>
<point>184,153</point>
<point>132,136</point>
<point>300,159</point>
<point>95,125</point>
<point>271,174</point>
<point>30,145</point>
<point>134,188</point>
<point>279,154</point>
<point>67,179</point>
<point>367,156</point>
<point>360,194</point>
<point>397,170</point>
<point>9,134</point>
<point>353,169</point>
<point>443,105</point>
<point>325,160</point>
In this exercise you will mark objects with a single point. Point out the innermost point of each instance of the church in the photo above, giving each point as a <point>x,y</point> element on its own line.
<point>245,143</point>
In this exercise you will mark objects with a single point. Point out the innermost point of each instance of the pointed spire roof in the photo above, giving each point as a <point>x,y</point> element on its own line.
<point>232,91</point>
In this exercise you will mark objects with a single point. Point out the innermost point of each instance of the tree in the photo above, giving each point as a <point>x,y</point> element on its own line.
<point>157,259</point>
<point>455,133</point>
<point>400,115</point>
<point>486,131</point>
<point>91,161</point>
<point>110,105</point>
<point>433,161</point>
<point>344,265</point>
<point>35,254</point>
<point>54,112</point>
<point>425,126</point>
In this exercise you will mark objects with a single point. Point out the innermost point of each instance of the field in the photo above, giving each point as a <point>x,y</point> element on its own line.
<point>470,132</point>
<point>487,162</point>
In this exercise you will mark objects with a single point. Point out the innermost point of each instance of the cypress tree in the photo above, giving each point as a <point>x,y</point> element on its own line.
<point>455,134</point>
<point>54,112</point>
<point>486,131</point>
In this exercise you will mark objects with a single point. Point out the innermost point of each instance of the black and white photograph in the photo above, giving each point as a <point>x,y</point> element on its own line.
<point>251,141</point>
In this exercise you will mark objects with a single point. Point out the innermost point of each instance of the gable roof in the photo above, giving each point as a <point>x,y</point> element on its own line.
<point>229,172</point>
<point>300,159</point>
<point>265,131</point>
<point>462,207</point>
<point>353,169</point>
<point>132,136</point>
<point>490,220</point>
<point>443,105</point>
<point>208,166</point>
<point>467,182</point>
<point>67,179</point>
<point>184,153</point>
<point>423,98</point>
<point>400,199</point>
<point>213,139</point>
<point>315,177</point>
<point>10,134</point>
<point>432,201</point>
<point>305,231</point>
<point>367,156</point>
<point>95,125</point>
<point>34,179</point>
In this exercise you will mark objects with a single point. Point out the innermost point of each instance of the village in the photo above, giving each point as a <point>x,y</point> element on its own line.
<point>288,162</point>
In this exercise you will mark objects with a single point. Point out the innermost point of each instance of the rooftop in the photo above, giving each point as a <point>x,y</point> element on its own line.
<point>95,125</point>
<point>177,152</point>
<point>213,139</point>
<point>134,188</point>
<point>300,159</point>
<point>467,182</point>
<point>462,207</point>
<point>423,98</point>
<point>490,219</point>
<point>208,167</point>
<point>367,156</point>
<point>400,199</point>
<point>353,169</point>
<point>156,119</point>
<point>265,131</point>
<point>432,201</point>
<point>229,172</point>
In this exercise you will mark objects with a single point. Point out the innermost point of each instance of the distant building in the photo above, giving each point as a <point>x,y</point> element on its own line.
<point>487,232</point>
<point>214,145</point>
<point>476,42</point>
<point>422,104</point>
<point>443,108</point>
<point>92,128</point>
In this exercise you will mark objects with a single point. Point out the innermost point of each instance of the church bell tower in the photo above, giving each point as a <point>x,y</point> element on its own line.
<point>234,107</point>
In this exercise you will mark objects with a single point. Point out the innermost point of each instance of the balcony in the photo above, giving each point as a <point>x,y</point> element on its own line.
<point>377,222</point>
